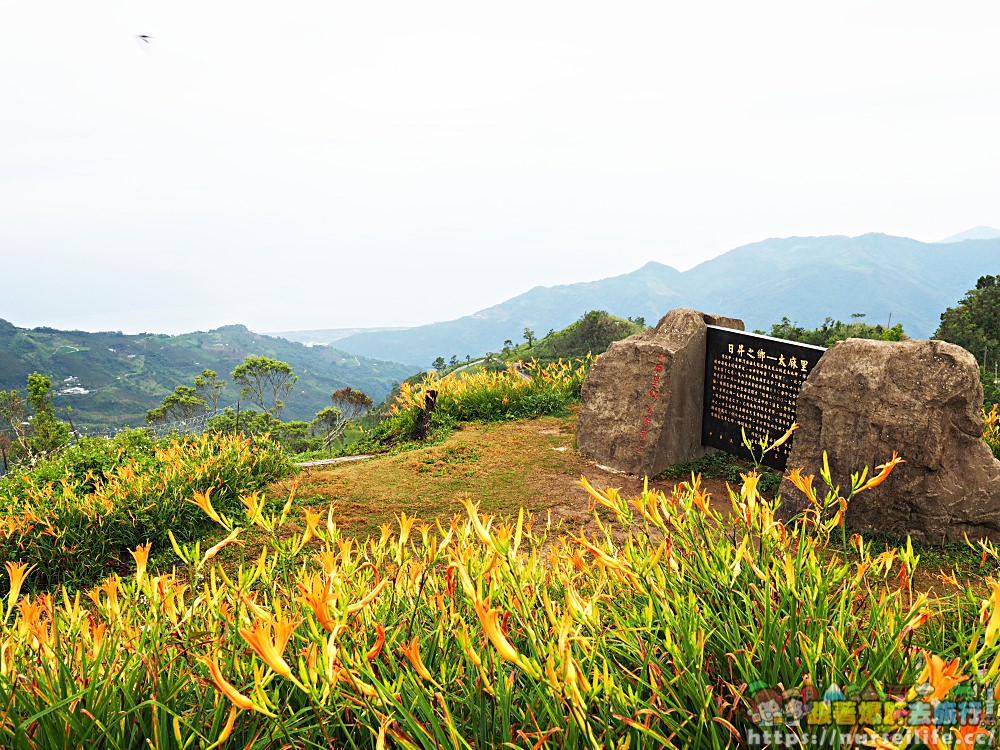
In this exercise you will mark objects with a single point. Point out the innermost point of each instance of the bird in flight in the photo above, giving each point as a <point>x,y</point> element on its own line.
<point>144,38</point>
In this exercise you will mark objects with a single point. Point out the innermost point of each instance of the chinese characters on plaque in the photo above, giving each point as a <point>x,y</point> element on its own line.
<point>752,382</point>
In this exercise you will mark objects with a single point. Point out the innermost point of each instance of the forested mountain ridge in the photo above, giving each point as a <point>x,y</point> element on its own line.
<point>111,379</point>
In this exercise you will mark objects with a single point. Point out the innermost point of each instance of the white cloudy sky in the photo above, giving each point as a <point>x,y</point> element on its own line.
<point>312,164</point>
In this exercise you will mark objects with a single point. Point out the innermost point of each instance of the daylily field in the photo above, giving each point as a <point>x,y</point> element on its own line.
<point>663,630</point>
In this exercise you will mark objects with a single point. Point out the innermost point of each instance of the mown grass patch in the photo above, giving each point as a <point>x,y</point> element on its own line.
<point>505,466</point>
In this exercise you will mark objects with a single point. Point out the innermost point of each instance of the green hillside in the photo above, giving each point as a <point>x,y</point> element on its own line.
<point>111,379</point>
<point>593,333</point>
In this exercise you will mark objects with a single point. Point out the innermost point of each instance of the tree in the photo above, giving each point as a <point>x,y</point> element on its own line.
<point>14,418</point>
<point>349,406</point>
<point>183,403</point>
<point>210,389</point>
<point>593,333</point>
<point>529,336</point>
<point>438,364</point>
<point>454,360</point>
<point>246,422</point>
<point>47,432</point>
<point>265,381</point>
<point>974,324</point>
<point>833,331</point>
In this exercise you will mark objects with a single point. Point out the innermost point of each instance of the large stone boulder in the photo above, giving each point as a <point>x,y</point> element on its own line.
<point>643,398</point>
<point>864,400</point>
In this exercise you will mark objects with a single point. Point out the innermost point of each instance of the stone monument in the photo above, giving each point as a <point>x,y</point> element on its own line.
<point>866,399</point>
<point>643,399</point>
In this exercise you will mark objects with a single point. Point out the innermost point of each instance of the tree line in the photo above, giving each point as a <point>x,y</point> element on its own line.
<point>30,426</point>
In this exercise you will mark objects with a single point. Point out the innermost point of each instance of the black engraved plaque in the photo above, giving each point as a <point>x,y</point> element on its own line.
<point>752,382</point>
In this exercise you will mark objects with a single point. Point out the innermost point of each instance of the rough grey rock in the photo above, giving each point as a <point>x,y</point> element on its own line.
<point>866,399</point>
<point>643,398</point>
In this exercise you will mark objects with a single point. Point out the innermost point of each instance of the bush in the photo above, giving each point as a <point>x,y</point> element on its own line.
<point>75,517</point>
<point>86,462</point>
<point>517,392</point>
<point>991,429</point>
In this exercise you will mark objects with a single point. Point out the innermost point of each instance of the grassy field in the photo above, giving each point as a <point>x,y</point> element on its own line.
<point>504,466</point>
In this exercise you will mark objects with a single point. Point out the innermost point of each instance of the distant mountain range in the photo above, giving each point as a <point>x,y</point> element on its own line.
<point>112,379</point>
<point>976,233</point>
<point>806,279</point>
<point>327,336</point>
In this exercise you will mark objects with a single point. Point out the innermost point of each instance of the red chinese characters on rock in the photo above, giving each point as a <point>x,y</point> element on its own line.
<point>654,393</point>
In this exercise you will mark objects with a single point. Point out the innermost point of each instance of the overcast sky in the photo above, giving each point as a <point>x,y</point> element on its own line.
<point>306,164</point>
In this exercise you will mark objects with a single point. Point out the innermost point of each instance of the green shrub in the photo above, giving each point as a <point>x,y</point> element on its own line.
<point>530,390</point>
<point>76,517</point>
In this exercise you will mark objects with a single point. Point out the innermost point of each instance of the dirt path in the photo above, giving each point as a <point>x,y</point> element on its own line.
<point>328,461</point>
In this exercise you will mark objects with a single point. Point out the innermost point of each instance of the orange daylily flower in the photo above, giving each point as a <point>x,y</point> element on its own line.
<point>203,500</point>
<point>226,688</point>
<point>750,480</point>
<point>784,438</point>
<point>312,523</point>
<point>227,729</point>
<point>701,501</point>
<point>405,524</point>
<point>488,617</point>
<point>922,617</point>
<point>375,650</point>
<point>803,483</point>
<point>141,556</point>
<point>993,605</point>
<point>885,471</point>
<point>251,502</point>
<point>412,652</point>
<point>268,646</point>
<point>215,549</point>
<point>942,675</point>
<point>16,572</point>
<point>362,603</point>
<point>948,578</point>
<point>316,594</point>
<point>483,532</point>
